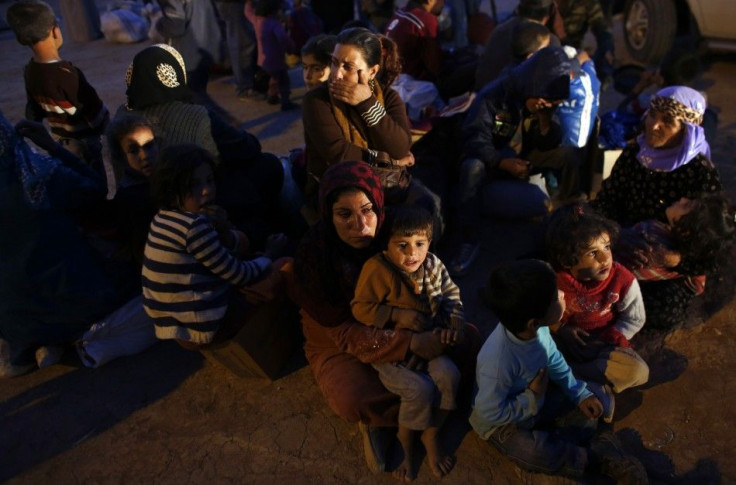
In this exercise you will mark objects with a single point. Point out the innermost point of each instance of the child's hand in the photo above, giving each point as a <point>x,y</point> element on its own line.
<point>410,320</point>
<point>275,245</point>
<point>538,385</point>
<point>218,217</point>
<point>449,336</point>
<point>576,341</point>
<point>591,407</point>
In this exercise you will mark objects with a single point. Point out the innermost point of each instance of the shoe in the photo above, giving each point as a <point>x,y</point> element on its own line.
<point>612,461</point>
<point>48,355</point>
<point>461,263</point>
<point>288,106</point>
<point>605,395</point>
<point>251,95</point>
<point>374,447</point>
<point>273,100</point>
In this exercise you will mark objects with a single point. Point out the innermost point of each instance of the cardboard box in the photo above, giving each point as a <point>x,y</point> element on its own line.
<point>264,344</point>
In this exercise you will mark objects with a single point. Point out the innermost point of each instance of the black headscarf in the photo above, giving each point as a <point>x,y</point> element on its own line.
<point>157,75</point>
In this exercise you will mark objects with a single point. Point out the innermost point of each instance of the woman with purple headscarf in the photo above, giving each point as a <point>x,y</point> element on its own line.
<point>668,161</point>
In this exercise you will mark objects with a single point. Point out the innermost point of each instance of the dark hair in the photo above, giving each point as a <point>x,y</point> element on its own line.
<point>519,291</point>
<point>533,12</point>
<point>571,229</point>
<point>121,125</point>
<point>320,47</point>
<point>705,235</point>
<point>527,38</point>
<point>172,176</point>
<point>31,20</point>
<point>266,8</point>
<point>408,220</point>
<point>375,49</point>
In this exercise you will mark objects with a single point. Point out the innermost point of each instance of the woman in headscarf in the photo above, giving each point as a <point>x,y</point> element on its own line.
<point>668,161</point>
<point>52,288</point>
<point>158,91</point>
<point>250,180</point>
<point>326,270</point>
<point>357,116</point>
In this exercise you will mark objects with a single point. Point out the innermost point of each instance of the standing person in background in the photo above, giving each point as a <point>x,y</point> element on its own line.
<point>57,90</point>
<point>241,46</point>
<point>273,45</point>
<point>580,15</point>
<point>190,26</point>
<point>498,53</point>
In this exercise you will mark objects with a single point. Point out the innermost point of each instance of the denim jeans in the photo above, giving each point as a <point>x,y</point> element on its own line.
<point>554,441</point>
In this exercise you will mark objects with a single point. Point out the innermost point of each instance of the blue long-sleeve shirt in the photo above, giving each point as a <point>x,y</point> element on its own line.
<point>506,366</point>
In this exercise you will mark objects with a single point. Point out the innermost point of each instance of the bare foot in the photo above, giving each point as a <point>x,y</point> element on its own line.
<point>405,472</point>
<point>440,463</point>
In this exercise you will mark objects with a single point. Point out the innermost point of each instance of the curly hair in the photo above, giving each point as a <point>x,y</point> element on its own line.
<point>31,20</point>
<point>375,49</point>
<point>172,177</point>
<point>570,231</point>
<point>519,291</point>
<point>705,235</point>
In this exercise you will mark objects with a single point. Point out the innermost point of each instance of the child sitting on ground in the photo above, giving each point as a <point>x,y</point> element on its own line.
<point>605,308</point>
<point>407,287</point>
<point>189,265</point>
<point>698,234</point>
<point>57,90</point>
<point>515,410</point>
<point>273,45</point>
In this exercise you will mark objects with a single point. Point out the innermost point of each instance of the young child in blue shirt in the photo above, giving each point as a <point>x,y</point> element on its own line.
<point>526,392</point>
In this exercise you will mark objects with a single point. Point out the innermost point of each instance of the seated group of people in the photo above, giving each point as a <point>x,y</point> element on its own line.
<point>197,214</point>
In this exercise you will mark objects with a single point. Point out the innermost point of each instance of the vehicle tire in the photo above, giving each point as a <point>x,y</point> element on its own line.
<point>649,28</point>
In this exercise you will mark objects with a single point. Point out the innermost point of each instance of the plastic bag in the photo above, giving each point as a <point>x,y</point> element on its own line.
<point>417,95</point>
<point>126,331</point>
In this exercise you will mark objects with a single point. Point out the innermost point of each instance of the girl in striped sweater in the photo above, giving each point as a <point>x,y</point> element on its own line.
<point>190,261</point>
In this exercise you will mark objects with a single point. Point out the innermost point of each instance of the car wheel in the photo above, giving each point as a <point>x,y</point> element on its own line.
<point>649,28</point>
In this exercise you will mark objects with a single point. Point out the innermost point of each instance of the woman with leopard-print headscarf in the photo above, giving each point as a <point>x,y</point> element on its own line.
<point>668,161</point>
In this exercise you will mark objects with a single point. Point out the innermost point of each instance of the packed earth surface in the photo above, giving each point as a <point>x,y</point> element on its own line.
<point>168,415</point>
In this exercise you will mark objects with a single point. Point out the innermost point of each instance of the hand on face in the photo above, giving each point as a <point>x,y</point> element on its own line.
<point>350,75</point>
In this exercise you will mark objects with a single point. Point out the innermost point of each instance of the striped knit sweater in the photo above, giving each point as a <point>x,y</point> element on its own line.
<point>187,275</point>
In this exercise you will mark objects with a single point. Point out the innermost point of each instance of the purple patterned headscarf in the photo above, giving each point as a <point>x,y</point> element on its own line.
<point>688,106</point>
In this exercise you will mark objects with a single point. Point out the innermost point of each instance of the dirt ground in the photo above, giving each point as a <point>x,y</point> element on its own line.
<point>171,416</point>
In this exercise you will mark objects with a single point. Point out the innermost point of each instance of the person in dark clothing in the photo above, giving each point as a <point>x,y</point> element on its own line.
<point>528,93</point>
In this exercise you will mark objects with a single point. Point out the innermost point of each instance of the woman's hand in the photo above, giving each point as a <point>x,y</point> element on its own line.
<point>406,161</point>
<point>633,250</point>
<point>37,133</point>
<point>538,385</point>
<point>351,93</point>
<point>407,319</point>
<point>427,345</point>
